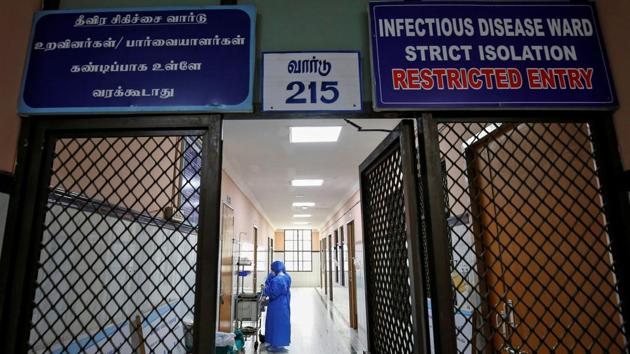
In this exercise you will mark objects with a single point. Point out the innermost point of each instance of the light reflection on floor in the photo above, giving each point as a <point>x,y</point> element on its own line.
<point>316,327</point>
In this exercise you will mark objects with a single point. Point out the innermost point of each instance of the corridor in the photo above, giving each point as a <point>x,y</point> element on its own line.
<point>316,327</point>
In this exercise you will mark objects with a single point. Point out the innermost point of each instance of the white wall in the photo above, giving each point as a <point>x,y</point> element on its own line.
<point>303,279</point>
<point>350,211</point>
<point>99,271</point>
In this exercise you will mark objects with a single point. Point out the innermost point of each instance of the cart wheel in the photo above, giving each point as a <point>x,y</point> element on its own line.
<point>256,345</point>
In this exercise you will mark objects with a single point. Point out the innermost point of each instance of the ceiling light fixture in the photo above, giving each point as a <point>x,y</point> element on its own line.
<point>303,204</point>
<point>301,223</point>
<point>301,215</point>
<point>307,182</point>
<point>314,134</point>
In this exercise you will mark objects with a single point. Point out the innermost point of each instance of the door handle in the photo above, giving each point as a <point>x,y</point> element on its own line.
<point>506,320</point>
<point>507,324</point>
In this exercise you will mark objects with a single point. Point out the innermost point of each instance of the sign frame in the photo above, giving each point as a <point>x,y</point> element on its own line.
<point>246,106</point>
<point>262,80</point>
<point>377,106</point>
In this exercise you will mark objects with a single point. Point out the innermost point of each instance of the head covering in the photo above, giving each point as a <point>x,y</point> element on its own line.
<point>277,267</point>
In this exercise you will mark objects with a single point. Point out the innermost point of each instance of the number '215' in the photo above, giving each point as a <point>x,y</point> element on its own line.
<point>328,89</point>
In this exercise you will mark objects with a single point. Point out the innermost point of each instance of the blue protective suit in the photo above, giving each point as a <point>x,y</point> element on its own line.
<point>282,269</point>
<point>278,322</point>
<point>270,276</point>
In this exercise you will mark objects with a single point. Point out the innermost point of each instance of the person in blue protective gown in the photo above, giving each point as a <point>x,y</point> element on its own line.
<point>284,270</point>
<point>278,321</point>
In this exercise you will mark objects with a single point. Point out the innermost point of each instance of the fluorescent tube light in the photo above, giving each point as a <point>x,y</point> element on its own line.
<point>303,204</point>
<point>307,182</point>
<point>301,223</point>
<point>314,134</point>
<point>301,215</point>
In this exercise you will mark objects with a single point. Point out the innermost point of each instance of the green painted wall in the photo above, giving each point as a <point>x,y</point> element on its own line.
<point>286,25</point>
<point>92,4</point>
<point>301,25</point>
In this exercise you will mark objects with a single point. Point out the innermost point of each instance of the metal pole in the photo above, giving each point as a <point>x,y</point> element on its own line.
<point>414,238</point>
<point>208,253</point>
<point>437,237</point>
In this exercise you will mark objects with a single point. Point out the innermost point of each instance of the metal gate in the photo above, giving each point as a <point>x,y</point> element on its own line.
<point>525,250</point>
<point>504,236</point>
<point>116,237</point>
<point>393,268</point>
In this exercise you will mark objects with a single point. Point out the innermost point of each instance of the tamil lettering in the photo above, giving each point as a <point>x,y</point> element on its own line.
<point>310,66</point>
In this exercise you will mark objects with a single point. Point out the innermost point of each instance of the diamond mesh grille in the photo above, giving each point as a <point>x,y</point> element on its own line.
<point>387,268</point>
<point>531,259</point>
<point>114,275</point>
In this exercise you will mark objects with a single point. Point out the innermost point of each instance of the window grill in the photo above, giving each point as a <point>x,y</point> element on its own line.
<point>532,270</point>
<point>117,261</point>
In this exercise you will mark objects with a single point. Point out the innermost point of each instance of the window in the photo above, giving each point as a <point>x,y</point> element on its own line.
<point>297,250</point>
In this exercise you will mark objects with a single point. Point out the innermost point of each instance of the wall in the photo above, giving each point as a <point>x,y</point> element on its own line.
<point>246,216</point>
<point>140,268</point>
<point>121,171</point>
<point>614,16</point>
<point>80,4</point>
<point>317,25</point>
<point>303,279</point>
<point>319,29</point>
<point>350,211</point>
<point>15,27</point>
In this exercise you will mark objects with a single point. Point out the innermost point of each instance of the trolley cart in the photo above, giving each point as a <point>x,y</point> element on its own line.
<point>248,310</point>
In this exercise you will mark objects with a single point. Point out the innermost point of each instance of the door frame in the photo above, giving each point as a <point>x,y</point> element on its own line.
<point>616,203</point>
<point>330,269</point>
<point>255,260</point>
<point>225,205</point>
<point>24,230</point>
<point>269,252</point>
<point>352,276</point>
<point>342,266</point>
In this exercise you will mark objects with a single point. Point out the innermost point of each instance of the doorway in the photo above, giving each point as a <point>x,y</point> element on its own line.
<point>227,269</point>
<point>268,168</point>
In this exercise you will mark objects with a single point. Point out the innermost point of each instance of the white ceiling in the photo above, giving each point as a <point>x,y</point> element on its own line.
<point>257,154</point>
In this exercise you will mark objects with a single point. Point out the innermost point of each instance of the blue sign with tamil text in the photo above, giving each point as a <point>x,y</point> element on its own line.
<point>140,60</point>
<point>488,55</point>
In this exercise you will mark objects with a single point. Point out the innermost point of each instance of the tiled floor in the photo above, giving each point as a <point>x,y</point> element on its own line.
<point>342,298</point>
<point>316,327</point>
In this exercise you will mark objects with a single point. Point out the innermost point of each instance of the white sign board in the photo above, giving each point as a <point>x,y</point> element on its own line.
<point>311,81</point>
